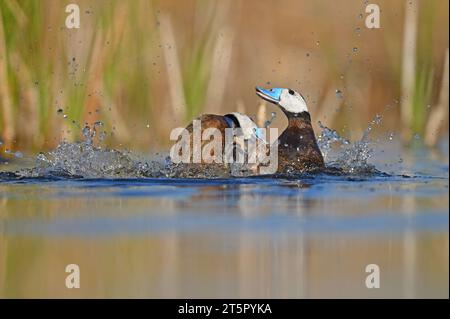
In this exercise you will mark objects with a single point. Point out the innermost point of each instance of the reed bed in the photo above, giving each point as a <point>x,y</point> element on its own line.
<point>145,67</point>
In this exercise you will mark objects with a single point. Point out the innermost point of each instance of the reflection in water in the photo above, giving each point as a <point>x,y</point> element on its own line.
<point>242,238</point>
<point>246,265</point>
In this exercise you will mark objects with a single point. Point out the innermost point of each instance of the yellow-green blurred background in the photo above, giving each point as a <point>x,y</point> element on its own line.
<point>145,67</point>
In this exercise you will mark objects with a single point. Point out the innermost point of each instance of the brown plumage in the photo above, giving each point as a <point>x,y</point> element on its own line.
<point>210,121</point>
<point>297,148</point>
<point>214,164</point>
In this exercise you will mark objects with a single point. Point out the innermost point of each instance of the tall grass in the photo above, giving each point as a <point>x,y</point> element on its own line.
<point>423,77</point>
<point>116,68</point>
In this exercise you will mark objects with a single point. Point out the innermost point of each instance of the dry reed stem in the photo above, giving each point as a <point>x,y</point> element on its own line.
<point>173,68</point>
<point>95,83</point>
<point>408,66</point>
<point>30,101</point>
<point>439,116</point>
<point>5,96</point>
<point>122,131</point>
<point>261,114</point>
<point>220,69</point>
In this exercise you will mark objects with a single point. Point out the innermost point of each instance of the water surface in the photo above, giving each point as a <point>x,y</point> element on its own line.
<point>232,237</point>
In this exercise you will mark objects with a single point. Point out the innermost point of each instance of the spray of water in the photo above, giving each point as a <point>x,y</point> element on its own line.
<point>88,158</point>
<point>349,157</point>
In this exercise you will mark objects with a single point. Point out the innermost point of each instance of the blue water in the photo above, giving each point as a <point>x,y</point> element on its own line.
<point>219,200</point>
<point>191,234</point>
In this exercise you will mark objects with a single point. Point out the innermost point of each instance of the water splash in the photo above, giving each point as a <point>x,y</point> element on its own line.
<point>327,139</point>
<point>391,136</point>
<point>350,157</point>
<point>267,123</point>
<point>85,159</point>
<point>88,158</point>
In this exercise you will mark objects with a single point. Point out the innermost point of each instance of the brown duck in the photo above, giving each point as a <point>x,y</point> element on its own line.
<point>235,120</point>
<point>297,146</point>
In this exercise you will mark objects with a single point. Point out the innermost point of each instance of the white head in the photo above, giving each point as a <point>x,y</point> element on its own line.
<point>289,100</point>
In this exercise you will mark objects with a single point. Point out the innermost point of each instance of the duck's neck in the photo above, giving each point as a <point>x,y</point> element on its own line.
<point>298,119</point>
<point>299,132</point>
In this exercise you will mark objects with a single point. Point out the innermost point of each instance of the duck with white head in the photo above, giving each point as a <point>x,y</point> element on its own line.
<point>297,146</point>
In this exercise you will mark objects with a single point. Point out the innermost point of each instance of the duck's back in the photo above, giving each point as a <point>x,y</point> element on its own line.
<point>210,121</point>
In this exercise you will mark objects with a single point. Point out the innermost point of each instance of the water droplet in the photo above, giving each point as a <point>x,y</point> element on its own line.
<point>60,111</point>
<point>358,30</point>
<point>317,42</point>
<point>86,131</point>
<point>339,94</point>
<point>417,136</point>
<point>148,125</point>
<point>355,49</point>
<point>102,136</point>
<point>18,154</point>
<point>268,122</point>
<point>400,160</point>
<point>377,119</point>
<point>391,136</point>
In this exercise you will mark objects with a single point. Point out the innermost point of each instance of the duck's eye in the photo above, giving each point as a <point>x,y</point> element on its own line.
<point>291,92</point>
